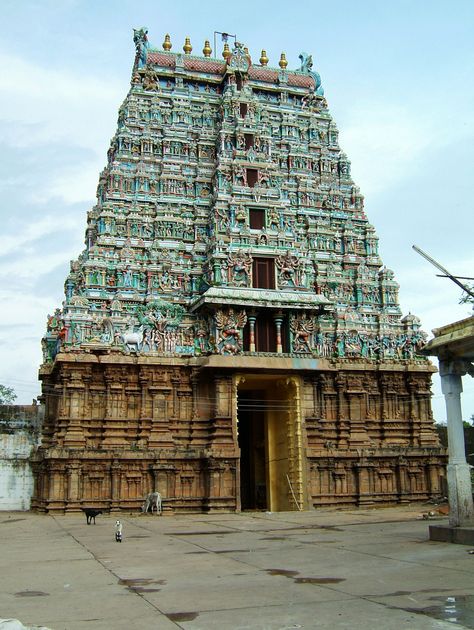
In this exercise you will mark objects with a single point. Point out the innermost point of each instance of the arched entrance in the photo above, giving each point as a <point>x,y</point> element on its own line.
<point>270,441</point>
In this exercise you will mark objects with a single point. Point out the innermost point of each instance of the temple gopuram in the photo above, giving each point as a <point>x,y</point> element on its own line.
<point>229,336</point>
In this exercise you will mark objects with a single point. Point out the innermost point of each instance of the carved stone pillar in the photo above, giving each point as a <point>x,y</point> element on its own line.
<point>433,478</point>
<point>364,492</point>
<point>402,480</point>
<point>73,483</point>
<point>383,404</point>
<point>144,414</point>
<point>214,470</point>
<point>414,418</point>
<point>461,509</point>
<point>222,433</point>
<point>330,405</point>
<point>57,483</point>
<point>76,391</point>
<point>343,424</point>
<point>296,465</point>
<point>114,424</point>
<point>115,485</point>
<point>252,319</point>
<point>160,434</point>
<point>165,483</point>
<point>199,425</point>
<point>278,319</point>
<point>356,396</point>
<point>390,422</point>
<point>175,383</point>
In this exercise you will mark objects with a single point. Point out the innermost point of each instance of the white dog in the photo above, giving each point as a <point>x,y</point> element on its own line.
<point>118,531</point>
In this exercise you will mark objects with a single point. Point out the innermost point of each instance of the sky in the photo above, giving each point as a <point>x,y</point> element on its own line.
<point>398,80</point>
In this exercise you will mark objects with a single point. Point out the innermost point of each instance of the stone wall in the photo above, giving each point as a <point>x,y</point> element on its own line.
<point>117,428</point>
<point>19,435</point>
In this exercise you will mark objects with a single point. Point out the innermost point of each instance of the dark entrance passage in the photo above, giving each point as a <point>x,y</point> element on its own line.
<point>252,436</point>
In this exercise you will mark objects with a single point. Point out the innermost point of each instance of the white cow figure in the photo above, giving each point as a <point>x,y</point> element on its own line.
<point>133,339</point>
<point>152,500</point>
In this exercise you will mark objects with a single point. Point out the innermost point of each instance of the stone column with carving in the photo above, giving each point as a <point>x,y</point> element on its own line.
<point>73,471</point>
<point>343,422</point>
<point>165,483</point>
<point>199,421</point>
<point>144,378</point>
<point>115,424</point>
<point>57,486</point>
<point>160,434</point>
<point>76,387</point>
<point>364,472</point>
<point>434,468</point>
<point>329,406</point>
<point>461,509</point>
<point>251,320</point>
<point>414,419</point>
<point>296,467</point>
<point>278,319</point>
<point>115,485</point>
<point>402,483</point>
<point>222,432</point>
<point>356,399</point>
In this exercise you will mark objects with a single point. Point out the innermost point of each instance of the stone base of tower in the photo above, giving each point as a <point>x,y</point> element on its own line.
<point>375,477</point>
<point>226,435</point>
<point>68,480</point>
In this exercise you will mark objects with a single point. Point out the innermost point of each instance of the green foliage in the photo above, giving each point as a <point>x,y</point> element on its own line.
<point>467,298</point>
<point>7,395</point>
<point>160,311</point>
<point>442,431</point>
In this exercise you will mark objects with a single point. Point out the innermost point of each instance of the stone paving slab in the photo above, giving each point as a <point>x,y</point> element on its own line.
<point>322,569</point>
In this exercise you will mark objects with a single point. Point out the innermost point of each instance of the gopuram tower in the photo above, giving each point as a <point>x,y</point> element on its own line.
<point>229,335</point>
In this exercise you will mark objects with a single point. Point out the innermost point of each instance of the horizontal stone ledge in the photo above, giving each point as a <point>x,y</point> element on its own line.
<point>247,360</point>
<point>457,535</point>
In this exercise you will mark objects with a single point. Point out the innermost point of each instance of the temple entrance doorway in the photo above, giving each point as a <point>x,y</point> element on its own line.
<point>253,448</point>
<point>268,418</point>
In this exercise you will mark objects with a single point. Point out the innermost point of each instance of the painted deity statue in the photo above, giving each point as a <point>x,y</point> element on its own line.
<point>141,46</point>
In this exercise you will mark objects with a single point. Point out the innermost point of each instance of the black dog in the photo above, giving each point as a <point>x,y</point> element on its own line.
<point>91,514</point>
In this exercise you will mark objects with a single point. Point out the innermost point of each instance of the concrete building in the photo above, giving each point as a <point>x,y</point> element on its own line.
<point>454,346</point>
<point>19,436</point>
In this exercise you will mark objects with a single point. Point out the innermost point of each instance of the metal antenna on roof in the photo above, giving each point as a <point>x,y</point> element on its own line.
<point>446,273</point>
<point>224,38</point>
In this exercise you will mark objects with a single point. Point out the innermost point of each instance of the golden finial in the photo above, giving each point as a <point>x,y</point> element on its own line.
<point>226,52</point>
<point>264,58</point>
<point>187,46</point>
<point>207,50</point>
<point>167,43</point>
<point>283,62</point>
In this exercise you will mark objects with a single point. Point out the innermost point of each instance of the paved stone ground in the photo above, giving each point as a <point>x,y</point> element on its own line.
<point>357,569</point>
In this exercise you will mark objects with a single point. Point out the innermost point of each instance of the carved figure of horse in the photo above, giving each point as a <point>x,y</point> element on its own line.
<point>133,339</point>
<point>152,500</point>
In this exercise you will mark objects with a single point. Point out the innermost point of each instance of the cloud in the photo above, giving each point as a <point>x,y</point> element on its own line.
<point>55,105</point>
<point>388,141</point>
<point>438,300</point>
<point>73,184</point>
<point>62,119</point>
<point>383,142</point>
<point>23,309</point>
<point>28,232</point>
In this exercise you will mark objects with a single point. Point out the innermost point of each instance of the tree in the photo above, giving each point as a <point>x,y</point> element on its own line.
<point>7,395</point>
<point>467,296</point>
